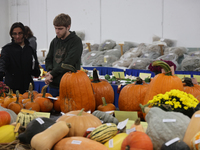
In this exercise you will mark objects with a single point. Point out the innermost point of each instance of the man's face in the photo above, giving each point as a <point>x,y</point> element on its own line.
<point>61,31</point>
<point>18,36</point>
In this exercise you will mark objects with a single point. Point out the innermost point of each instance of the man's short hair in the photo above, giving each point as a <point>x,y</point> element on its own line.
<point>62,20</point>
<point>16,25</point>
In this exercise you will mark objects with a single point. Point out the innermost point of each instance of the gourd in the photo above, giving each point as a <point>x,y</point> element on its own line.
<point>34,127</point>
<point>105,117</point>
<point>105,106</point>
<point>160,130</point>
<point>137,140</point>
<point>137,125</point>
<point>179,145</point>
<point>162,83</point>
<point>43,92</point>
<point>7,134</point>
<point>79,143</point>
<point>80,121</point>
<point>4,118</point>
<point>13,115</point>
<point>76,91</point>
<point>195,144</point>
<point>16,106</point>
<point>45,103</point>
<point>193,128</point>
<point>104,132</point>
<point>50,136</point>
<point>102,89</point>
<point>132,95</point>
<point>117,141</point>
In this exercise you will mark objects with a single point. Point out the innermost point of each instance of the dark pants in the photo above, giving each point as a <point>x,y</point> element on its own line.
<point>54,91</point>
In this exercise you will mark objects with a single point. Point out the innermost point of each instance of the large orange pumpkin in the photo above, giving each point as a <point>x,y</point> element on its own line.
<point>137,141</point>
<point>102,89</point>
<point>80,121</point>
<point>76,91</point>
<point>132,95</point>
<point>191,88</point>
<point>162,82</point>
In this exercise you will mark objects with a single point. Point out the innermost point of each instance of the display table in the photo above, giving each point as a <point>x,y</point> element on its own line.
<point>39,84</point>
<point>133,72</point>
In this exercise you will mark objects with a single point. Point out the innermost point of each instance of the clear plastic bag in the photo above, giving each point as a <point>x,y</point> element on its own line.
<point>88,59</point>
<point>106,45</point>
<point>190,63</point>
<point>176,50</point>
<point>140,63</point>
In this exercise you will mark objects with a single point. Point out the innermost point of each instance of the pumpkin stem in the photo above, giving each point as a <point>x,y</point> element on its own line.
<point>68,67</point>
<point>9,93</point>
<point>44,90</point>
<point>32,96</point>
<point>80,113</point>
<point>69,125</point>
<point>143,107</point>
<point>127,147</point>
<point>137,121</point>
<point>163,65</point>
<point>139,81</point>
<point>17,95</point>
<point>104,101</point>
<point>95,76</point>
<point>188,82</point>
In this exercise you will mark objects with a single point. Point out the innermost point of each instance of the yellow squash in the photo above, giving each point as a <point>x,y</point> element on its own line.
<point>7,134</point>
<point>117,141</point>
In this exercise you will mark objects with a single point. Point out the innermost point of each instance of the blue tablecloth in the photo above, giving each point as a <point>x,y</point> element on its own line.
<point>133,72</point>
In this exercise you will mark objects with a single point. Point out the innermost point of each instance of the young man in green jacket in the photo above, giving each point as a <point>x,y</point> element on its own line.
<point>65,48</point>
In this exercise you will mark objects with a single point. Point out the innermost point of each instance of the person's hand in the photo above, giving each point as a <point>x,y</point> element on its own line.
<point>48,78</point>
<point>48,73</point>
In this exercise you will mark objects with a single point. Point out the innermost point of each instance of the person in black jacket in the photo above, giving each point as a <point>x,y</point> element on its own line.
<point>18,61</point>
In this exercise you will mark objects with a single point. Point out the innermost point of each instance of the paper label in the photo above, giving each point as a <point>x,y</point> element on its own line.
<point>93,54</point>
<point>40,120</point>
<point>90,129</point>
<point>42,114</point>
<point>107,42</point>
<point>89,111</point>
<point>111,143</point>
<point>172,141</point>
<point>128,131</point>
<point>108,124</point>
<point>109,112</point>
<point>138,60</point>
<point>197,141</point>
<point>122,124</point>
<point>71,115</point>
<point>62,113</point>
<point>101,121</point>
<point>169,120</point>
<point>197,115</point>
<point>105,60</point>
<point>53,98</point>
<point>76,142</point>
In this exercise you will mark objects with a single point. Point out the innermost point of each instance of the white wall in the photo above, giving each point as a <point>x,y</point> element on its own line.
<point>119,20</point>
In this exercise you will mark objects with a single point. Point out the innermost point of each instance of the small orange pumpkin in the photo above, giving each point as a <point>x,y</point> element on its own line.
<point>102,89</point>
<point>105,106</point>
<point>5,118</point>
<point>45,103</point>
<point>32,104</point>
<point>16,106</point>
<point>137,140</point>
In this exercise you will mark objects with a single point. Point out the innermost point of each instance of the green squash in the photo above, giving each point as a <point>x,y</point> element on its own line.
<point>105,117</point>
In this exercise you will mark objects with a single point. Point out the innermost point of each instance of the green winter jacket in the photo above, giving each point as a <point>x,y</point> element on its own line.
<point>67,51</point>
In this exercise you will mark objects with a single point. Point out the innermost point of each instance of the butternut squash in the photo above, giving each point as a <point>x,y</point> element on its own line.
<point>45,140</point>
<point>193,128</point>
